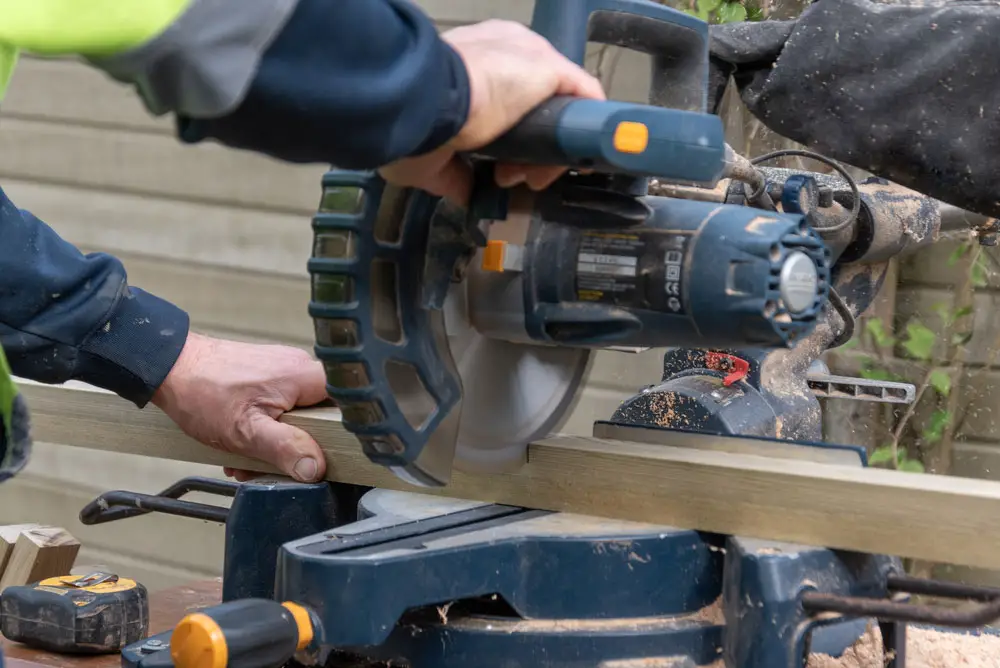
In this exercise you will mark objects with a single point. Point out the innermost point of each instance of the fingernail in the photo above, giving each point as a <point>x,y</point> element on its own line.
<point>305,469</point>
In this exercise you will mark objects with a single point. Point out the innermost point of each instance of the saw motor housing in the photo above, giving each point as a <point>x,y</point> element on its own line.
<point>453,337</point>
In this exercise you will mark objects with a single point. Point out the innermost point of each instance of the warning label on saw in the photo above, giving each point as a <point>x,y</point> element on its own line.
<point>642,270</point>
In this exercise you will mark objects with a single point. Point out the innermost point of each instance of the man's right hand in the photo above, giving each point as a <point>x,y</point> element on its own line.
<point>511,71</point>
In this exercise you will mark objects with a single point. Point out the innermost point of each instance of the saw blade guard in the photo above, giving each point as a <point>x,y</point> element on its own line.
<point>392,330</point>
<point>387,362</point>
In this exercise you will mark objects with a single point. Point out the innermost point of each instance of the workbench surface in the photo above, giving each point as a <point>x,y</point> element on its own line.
<point>166,608</point>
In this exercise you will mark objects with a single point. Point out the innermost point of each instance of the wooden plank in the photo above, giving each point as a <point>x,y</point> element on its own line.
<point>221,236</point>
<point>937,518</point>
<point>40,553</point>
<point>8,538</point>
<point>149,164</point>
<point>86,96</point>
<point>267,307</point>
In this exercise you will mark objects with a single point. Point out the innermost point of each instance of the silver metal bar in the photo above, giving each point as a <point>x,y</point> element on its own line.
<point>828,386</point>
<point>954,219</point>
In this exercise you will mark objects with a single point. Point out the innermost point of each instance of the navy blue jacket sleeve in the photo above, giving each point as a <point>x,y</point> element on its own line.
<point>69,316</point>
<point>352,83</point>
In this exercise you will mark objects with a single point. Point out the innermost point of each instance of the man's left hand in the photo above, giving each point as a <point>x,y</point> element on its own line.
<point>229,396</point>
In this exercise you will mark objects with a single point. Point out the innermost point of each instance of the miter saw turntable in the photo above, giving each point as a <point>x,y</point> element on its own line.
<point>452,338</point>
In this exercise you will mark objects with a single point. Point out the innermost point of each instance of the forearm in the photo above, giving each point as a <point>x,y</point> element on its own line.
<point>69,316</point>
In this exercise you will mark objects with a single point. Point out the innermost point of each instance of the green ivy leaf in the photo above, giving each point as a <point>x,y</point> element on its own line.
<point>961,338</point>
<point>755,14</point>
<point>732,12</point>
<point>708,6</point>
<point>962,312</point>
<point>910,466</point>
<point>881,455</point>
<point>936,425</point>
<point>920,340</point>
<point>877,331</point>
<point>940,380</point>
<point>958,254</point>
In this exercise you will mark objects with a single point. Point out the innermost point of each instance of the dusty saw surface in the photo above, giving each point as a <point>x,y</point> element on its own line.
<point>924,649</point>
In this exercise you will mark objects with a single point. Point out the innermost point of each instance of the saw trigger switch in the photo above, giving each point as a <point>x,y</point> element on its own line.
<point>631,137</point>
<point>493,255</point>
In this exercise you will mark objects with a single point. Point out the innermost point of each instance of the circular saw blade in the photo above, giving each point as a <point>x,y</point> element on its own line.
<point>512,394</point>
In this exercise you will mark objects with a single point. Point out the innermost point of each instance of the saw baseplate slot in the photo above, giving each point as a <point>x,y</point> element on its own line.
<point>386,318</point>
<point>827,386</point>
<point>388,220</point>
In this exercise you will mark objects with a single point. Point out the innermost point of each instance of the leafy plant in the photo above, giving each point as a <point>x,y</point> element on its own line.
<point>920,340</point>
<point>919,343</point>
<point>940,381</point>
<point>726,11</point>
<point>936,425</point>
<point>882,455</point>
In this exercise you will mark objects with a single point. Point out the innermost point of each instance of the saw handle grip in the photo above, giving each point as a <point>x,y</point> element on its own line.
<point>677,42</point>
<point>616,137</point>
<point>247,633</point>
<point>672,138</point>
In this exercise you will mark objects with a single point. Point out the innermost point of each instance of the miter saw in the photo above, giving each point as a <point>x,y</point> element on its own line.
<point>453,338</point>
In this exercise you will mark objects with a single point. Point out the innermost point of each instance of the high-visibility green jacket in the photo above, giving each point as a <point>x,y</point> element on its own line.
<point>355,83</point>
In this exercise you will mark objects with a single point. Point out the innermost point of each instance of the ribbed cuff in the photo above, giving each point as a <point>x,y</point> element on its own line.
<point>137,347</point>
<point>454,107</point>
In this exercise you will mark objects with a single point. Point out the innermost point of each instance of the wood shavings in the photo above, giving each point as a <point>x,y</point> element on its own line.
<point>924,649</point>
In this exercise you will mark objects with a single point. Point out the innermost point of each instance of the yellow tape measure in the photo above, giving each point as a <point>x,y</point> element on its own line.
<point>94,614</point>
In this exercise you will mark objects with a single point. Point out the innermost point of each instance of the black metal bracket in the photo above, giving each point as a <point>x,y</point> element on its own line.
<point>120,505</point>
<point>982,606</point>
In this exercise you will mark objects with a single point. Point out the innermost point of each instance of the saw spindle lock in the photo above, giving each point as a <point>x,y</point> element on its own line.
<point>452,339</point>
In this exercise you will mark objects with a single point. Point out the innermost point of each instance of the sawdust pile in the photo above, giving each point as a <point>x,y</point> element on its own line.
<point>712,614</point>
<point>924,649</point>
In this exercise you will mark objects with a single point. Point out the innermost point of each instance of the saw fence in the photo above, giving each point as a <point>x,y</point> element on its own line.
<point>935,518</point>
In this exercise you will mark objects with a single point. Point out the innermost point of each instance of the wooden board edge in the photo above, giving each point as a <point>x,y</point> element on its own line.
<point>936,518</point>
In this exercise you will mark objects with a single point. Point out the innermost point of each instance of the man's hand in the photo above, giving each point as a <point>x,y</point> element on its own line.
<point>511,71</point>
<point>229,396</point>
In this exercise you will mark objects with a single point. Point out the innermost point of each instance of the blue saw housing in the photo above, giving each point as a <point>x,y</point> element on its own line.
<point>385,258</point>
<point>702,275</point>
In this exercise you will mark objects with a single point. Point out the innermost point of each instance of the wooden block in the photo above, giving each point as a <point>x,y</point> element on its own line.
<point>932,517</point>
<point>39,553</point>
<point>8,537</point>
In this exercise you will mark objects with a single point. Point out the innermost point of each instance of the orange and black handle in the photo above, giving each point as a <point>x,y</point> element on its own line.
<point>248,633</point>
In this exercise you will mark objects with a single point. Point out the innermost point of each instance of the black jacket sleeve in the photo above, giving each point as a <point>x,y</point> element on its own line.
<point>69,316</point>
<point>909,92</point>
<point>354,83</point>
